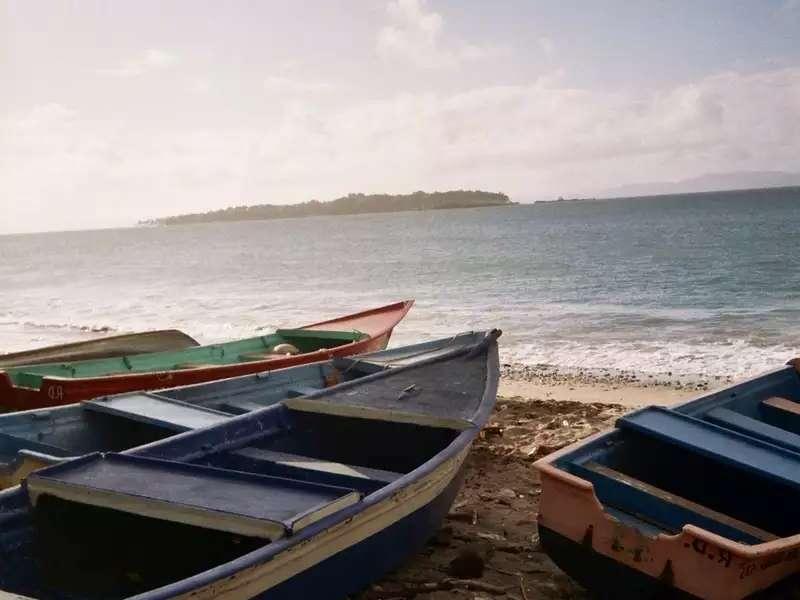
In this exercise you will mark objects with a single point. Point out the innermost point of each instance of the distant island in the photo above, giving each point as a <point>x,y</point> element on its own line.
<point>352,204</point>
<point>709,182</point>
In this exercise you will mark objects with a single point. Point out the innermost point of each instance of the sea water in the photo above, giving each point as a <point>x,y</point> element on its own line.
<point>691,284</point>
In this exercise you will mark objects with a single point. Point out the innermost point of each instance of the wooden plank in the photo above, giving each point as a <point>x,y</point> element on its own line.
<point>157,410</point>
<point>671,498</point>
<point>297,391</point>
<point>317,464</point>
<point>754,456</point>
<point>242,503</point>
<point>783,404</point>
<point>747,425</point>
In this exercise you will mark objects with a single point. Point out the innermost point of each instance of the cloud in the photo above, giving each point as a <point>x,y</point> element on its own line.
<point>199,85</point>
<point>150,60</point>
<point>44,115</point>
<point>534,140</point>
<point>790,6</point>
<point>291,81</point>
<point>284,85</point>
<point>415,36</point>
<point>547,45</point>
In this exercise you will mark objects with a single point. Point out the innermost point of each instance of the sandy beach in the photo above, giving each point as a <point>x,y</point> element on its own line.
<point>488,547</point>
<point>608,386</point>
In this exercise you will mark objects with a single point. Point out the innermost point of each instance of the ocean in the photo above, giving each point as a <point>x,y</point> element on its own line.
<point>689,284</point>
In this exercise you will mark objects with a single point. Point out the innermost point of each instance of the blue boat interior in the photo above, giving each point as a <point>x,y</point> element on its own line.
<point>114,524</point>
<point>728,462</point>
<point>35,438</point>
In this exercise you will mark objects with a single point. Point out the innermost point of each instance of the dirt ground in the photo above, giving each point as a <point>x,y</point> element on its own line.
<point>488,547</point>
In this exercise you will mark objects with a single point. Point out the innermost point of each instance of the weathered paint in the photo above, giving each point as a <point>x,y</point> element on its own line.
<point>700,563</point>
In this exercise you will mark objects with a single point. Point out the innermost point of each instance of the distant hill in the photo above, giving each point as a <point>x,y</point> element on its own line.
<point>352,204</point>
<point>710,182</point>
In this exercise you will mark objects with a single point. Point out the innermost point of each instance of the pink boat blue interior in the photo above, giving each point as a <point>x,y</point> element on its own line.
<point>728,462</point>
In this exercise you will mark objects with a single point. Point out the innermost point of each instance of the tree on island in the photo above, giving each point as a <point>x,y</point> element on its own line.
<point>353,203</point>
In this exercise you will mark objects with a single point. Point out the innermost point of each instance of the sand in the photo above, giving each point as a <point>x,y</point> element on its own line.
<point>609,386</point>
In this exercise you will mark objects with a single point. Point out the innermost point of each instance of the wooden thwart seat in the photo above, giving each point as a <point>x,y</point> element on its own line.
<point>783,410</point>
<point>628,487</point>
<point>297,391</point>
<point>158,410</point>
<point>317,464</point>
<point>753,427</point>
<point>783,404</point>
<point>233,501</point>
<point>724,446</point>
<point>238,407</point>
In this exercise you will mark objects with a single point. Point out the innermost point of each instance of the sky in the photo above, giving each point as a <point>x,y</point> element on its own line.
<point>113,112</point>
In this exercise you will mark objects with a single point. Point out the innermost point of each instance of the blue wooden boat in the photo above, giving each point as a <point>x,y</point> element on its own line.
<point>312,497</point>
<point>700,500</point>
<point>36,438</point>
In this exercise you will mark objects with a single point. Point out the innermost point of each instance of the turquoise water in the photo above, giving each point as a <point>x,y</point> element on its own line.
<point>691,284</point>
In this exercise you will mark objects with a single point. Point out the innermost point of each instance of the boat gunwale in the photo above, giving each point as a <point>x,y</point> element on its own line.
<point>365,357</point>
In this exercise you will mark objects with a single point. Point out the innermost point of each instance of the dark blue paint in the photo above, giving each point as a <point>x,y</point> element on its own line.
<point>218,491</point>
<point>356,567</point>
<point>754,428</point>
<point>360,577</point>
<point>279,427</point>
<point>77,429</point>
<point>724,446</point>
<point>669,516</point>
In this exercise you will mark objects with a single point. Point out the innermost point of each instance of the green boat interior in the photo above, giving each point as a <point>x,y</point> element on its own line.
<point>275,345</point>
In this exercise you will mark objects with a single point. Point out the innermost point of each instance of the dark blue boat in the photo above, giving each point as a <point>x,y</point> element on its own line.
<point>312,497</point>
<point>32,439</point>
<point>700,500</point>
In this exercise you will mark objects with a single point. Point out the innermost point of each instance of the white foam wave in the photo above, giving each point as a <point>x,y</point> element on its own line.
<point>736,358</point>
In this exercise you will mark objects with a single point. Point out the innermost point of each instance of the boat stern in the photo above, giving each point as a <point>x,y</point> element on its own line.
<point>603,553</point>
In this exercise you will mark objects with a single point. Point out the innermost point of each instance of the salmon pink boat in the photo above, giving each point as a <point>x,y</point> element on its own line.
<point>700,500</point>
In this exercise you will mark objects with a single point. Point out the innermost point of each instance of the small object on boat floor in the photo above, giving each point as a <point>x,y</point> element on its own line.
<point>286,349</point>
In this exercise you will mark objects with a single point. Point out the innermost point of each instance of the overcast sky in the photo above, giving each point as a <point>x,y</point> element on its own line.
<point>112,112</point>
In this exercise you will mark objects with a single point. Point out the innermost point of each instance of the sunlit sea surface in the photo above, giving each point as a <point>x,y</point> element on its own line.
<point>692,284</point>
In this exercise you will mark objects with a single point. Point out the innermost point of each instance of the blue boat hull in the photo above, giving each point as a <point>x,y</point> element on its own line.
<point>349,482</point>
<point>352,570</point>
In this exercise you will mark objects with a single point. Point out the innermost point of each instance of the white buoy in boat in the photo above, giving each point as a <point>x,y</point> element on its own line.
<point>285,349</point>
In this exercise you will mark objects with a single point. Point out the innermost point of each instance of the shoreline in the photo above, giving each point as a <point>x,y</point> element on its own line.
<point>603,385</point>
<point>606,385</point>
